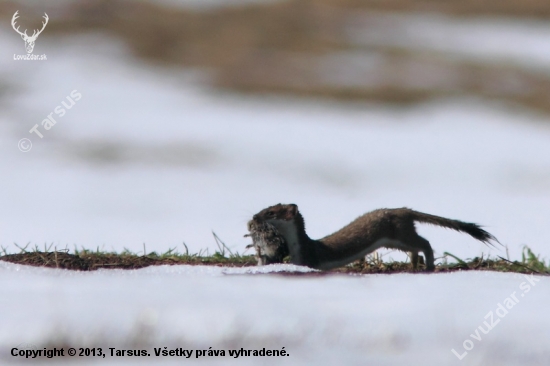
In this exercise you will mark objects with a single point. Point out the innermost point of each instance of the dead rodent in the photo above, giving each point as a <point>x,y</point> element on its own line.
<point>269,244</point>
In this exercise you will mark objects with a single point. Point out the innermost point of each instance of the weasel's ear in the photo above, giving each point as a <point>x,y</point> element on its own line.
<point>293,209</point>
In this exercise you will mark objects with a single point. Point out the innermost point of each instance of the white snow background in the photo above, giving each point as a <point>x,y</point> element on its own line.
<point>352,320</point>
<point>150,155</point>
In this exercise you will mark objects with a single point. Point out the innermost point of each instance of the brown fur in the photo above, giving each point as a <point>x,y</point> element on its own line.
<point>393,228</point>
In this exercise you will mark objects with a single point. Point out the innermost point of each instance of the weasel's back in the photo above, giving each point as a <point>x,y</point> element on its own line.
<point>372,226</point>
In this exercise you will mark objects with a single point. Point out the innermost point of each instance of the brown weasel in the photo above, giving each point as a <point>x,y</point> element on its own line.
<point>388,228</point>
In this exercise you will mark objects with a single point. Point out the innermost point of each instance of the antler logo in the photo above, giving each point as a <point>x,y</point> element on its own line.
<point>29,41</point>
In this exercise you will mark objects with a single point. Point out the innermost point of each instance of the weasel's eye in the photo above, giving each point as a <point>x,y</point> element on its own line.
<point>271,214</point>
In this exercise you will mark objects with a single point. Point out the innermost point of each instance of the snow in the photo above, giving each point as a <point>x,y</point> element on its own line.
<point>375,319</point>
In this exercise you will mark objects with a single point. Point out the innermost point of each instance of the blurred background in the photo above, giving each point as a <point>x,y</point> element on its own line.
<point>196,114</point>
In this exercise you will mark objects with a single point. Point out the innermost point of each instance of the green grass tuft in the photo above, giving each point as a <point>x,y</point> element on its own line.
<point>89,260</point>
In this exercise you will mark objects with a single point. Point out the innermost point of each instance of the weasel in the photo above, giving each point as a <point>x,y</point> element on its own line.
<point>388,228</point>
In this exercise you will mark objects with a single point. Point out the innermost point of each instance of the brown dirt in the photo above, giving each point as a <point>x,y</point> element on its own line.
<point>92,261</point>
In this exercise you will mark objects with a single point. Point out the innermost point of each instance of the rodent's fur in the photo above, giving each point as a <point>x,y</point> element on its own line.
<point>389,228</point>
<point>270,246</point>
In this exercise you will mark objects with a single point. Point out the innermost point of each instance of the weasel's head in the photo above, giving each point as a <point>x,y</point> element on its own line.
<point>277,213</point>
<point>288,222</point>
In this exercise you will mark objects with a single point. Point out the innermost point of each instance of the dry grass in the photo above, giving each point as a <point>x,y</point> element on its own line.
<point>530,263</point>
<point>90,261</point>
<point>527,8</point>
<point>276,48</point>
<point>86,260</point>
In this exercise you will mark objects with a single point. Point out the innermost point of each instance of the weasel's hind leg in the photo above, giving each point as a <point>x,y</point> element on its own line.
<point>414,260</point>
<point>424,246</point>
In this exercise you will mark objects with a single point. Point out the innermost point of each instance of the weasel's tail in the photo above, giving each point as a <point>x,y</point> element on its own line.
<point>474,230</point>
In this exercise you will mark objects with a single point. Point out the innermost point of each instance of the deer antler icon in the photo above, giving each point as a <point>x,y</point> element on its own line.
<point>29,41</point>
